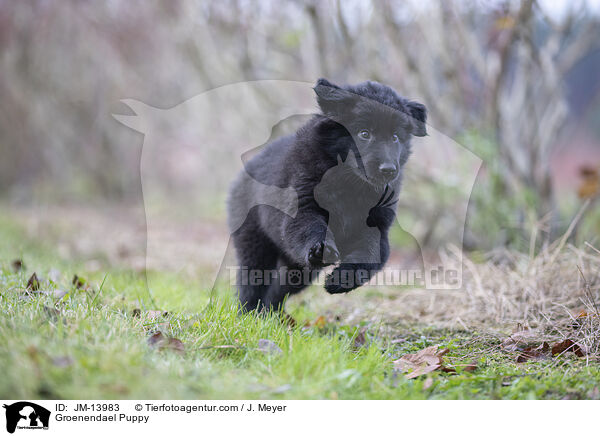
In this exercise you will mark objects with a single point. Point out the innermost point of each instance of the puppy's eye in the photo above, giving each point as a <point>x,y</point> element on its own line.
<point>395,138</point>
<point>364,134</point>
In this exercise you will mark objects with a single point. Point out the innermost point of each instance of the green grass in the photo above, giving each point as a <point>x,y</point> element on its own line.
<point>90,344</point>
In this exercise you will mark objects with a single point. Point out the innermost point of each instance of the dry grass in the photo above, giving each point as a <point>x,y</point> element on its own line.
<point>555,293</point>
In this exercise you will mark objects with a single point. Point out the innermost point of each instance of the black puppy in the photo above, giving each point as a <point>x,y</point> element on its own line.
<point>345,165</point>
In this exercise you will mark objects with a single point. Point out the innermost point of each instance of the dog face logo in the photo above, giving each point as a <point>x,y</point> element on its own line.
<point>26,415</point>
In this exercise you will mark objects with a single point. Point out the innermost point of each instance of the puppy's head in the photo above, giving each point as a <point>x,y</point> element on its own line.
<point>378,122</point>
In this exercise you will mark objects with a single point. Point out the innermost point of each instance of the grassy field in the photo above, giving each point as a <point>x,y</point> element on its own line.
<point>98,339</point>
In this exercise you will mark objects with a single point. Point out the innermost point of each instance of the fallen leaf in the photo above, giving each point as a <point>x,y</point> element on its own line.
<point>423,362</point>
<point>567,345</point>
<point>534,353</point>
<point>360,339</point>
<point>175,345</point>
<point>78,282</point>
<point>268,347</point>
<point>287,319</point>
<point>320,322</point>
<point>33,283</point>
<point>590,184</point>
<point>155,338</point>
<point>470,367</point>
<point>17,265</point>
<point>587,171</point>
<point>163,342</point>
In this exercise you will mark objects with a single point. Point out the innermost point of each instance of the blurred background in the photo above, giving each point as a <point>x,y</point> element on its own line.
<point>515,82</point>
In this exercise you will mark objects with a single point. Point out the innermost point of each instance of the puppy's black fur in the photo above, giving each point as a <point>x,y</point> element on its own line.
<point>346,167</point>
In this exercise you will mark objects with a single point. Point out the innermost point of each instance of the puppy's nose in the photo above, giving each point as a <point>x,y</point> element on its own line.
<point>388,169</point>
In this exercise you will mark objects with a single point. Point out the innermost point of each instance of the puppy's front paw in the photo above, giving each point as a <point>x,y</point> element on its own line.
<point>322,254</point>
<point>334,286</point>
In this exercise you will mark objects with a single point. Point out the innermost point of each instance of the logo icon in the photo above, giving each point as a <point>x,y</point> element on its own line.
<point>26,415</point>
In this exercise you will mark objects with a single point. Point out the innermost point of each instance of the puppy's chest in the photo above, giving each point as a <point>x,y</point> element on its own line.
<point>349,218</point>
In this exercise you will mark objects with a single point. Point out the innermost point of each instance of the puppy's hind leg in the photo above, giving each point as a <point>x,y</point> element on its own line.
<point>291,279</point>
<point>257,256</point>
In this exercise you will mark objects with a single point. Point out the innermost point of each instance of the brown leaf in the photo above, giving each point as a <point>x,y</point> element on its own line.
<point>288,319</point>
<point>534,353</point>
<point>590,184</point>
<point>422,362</point>
<point>320,322</point>
<point>155,338</point>
<point>163,342</point>
<point>567,345</point>
<point>360,339</point>
<point>561,347</point>
<point>17,265</point>
<point>586,172</point>
<point>175,345</point>
<point>33,283</point>
<point>588,188</point>
<point>470,367</point>
<point>421,370</point>
<point>78,282</point>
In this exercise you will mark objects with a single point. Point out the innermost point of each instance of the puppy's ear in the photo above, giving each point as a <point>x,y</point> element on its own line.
<point>418,113</point>
<point>331,98</point>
